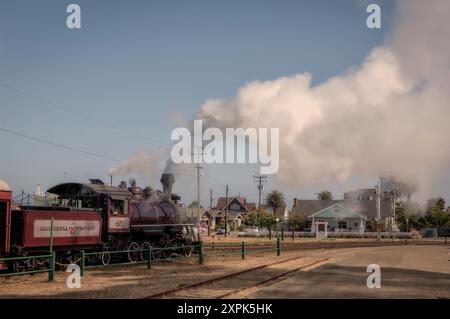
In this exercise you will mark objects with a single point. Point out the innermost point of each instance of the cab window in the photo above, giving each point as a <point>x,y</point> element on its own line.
<point>119,207</point>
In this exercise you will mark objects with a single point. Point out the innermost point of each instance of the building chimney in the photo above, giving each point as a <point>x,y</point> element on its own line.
<point>167,180</point>
<point>38,190</point>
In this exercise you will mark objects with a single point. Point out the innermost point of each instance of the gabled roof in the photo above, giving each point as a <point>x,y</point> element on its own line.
<point>280,211</point>
<point>251,206</point>
<point>206,214</point>
<point>366,208</point>
<point>221,203</point>
<point>307,207</point>
<point>337,211</point>
<point>194,211</point>
<point>231,215</point>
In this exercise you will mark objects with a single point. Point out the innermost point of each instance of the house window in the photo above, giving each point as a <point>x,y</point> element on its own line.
<point>356,224</point>
<point>342,224</point>
<point>235,207</point>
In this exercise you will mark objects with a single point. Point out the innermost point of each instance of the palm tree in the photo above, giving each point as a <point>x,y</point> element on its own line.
<point>275,199</point>
<point>325,195</point>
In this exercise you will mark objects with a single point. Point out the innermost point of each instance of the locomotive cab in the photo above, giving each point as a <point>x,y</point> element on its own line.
<point>113,202</point>
<point>118,214</point>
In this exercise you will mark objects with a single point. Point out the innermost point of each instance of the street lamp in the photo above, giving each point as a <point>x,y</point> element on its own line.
<point>407,225</point>
<point>278,232</point>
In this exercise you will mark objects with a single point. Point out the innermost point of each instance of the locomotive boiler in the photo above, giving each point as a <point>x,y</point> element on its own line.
<point>95,217</point>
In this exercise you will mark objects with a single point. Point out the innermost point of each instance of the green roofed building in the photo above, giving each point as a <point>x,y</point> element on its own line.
<point>339,217</point>
<point>349,214</point>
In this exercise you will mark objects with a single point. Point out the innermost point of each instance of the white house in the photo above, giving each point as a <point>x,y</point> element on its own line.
<point>339,218</point>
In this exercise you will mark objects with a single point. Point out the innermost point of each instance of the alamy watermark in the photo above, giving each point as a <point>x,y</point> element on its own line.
<point>374,19</point>
<point>211,147</point>
<point>374,279</point>
<point>73,20</point>
<point>74,278</point>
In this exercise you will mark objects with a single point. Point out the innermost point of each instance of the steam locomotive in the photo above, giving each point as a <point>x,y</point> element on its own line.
<point>94,217</point>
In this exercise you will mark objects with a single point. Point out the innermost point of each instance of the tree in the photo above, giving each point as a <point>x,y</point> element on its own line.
<point>436,214</point>
<point>298,222</point>
<point>371,225</point>
<point>437,202</point>
<point>274,200</point>
<point>194,205</point>
<point>267,220</point>
<point>402,213</point>
<point>251,218</point>
<point>325,195</point>
<point>262,219</point>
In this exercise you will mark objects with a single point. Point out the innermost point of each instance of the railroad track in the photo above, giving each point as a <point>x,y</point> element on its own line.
<point>303,246</point>
<point>238,282</point>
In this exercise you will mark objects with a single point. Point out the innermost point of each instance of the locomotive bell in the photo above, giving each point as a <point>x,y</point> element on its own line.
<point>167,180</point>
<point>136,192</point>
<point>148,192</point>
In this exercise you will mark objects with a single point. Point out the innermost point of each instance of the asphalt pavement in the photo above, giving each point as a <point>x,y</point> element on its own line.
<point>405,272</point>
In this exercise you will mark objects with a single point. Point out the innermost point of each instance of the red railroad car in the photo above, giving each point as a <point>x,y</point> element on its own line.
<point>72,229</point>
<point>5,222</point>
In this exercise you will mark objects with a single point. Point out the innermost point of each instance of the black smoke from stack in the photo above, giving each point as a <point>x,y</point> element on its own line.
<point>167,181</point>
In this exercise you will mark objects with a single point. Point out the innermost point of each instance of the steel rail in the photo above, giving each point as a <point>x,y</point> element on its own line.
<point>272,278</point>
<point>222,277</point>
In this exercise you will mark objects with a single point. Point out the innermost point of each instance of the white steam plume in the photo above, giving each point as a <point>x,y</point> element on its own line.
<point>4,186</point>
<point>389,116</point>
<point>143,163</point>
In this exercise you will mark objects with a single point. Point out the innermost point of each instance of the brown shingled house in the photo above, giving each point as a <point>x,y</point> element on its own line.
<point>235,204</point>
<point>237,208</point>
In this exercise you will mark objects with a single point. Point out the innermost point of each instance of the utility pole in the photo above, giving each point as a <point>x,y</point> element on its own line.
<point>260,179</point>
<point>394,199</point>
<point>394,222</point>
<point>226,211</point>
<point>210,212</point>
<point>198,167</point>
<point>379,209</point>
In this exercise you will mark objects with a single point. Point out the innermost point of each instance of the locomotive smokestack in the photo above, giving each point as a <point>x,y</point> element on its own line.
<point>167,181</point>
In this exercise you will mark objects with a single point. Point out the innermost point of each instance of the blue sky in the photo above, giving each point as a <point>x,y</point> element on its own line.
<point>134,64</point>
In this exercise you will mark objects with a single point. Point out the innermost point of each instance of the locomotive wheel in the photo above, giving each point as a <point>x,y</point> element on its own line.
<point>133,256</point>
<point>145,246</point>
<point>92,259</point>
<point>41,263</point>
<point>157,254</point>
<point>19,266</point>
<point>187,251</point>
<point>64,259</point>
<point>22,265</point>
<point>105,258</point>
<point>60,263</point>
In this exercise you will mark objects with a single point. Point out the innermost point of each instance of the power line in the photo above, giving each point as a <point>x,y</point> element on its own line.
<point>213,186</point>
<point>211,181</point>
<point>77,113</point>
<point>59,145</point>
<point>214,179</point>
